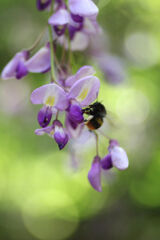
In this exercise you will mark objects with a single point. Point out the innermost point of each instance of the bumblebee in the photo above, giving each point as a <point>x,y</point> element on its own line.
<point>97,113</point>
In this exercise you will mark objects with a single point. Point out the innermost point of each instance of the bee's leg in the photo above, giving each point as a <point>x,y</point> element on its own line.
<point>86,110</point>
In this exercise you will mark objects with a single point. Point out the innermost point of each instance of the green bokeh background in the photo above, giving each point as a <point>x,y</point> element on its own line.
<point>41,197</point>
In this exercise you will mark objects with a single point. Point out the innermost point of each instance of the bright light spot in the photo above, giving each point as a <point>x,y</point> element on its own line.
<point>143,49</point>
<point>151,5</point>
<point>132,107</point>
<point>13,95</point>
<point>50,213</point>
<point>145,189</point>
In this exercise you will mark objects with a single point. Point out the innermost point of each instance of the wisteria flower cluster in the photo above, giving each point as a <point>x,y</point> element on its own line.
<point>71,25</point>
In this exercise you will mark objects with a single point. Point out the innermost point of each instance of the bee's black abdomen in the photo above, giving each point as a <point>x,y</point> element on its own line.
<point>94,123</point>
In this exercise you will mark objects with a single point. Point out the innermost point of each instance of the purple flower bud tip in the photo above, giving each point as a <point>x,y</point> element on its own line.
<point>94,174</point>
<point>112,143</point>
<point>117,157</point>
<point>44,116</point>
<point>60,136</point>
<point>41,4</point>
<point>57,123</point>
<point>106,162</point>
<point>61,145</point>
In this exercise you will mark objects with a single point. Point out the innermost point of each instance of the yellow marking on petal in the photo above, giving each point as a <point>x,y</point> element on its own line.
<point>83,94</point>
<point>52,132</point>
<point>60,27</point>
<point>50,101</point>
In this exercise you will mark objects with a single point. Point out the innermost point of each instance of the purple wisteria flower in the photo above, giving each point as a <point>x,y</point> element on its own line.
<point>60,135</point>
<point>80,20</point>
<point>94,175</point>
<point>21,64</point>
<point>59,20</point>
<point>16,67</point>
<point>44,116</point>
<point>53,97</point>
<point>50,95</point>
<point>112,67</point>
<point>57,132</point>
<point>116,157</point>
<point>83,90</point>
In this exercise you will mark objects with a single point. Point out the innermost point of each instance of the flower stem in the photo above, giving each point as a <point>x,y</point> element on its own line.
<point>57,114</point>
<point>104,135</point>
<point>37,41</point>
<point>53,77</point>
<point>52,53</point>
<point>97,151</point>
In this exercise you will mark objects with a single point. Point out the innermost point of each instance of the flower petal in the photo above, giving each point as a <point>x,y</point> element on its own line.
<point>50,95</point>
<point>85,91</point>
<point>94,175</point>
<point>84,8</point>
<point>106,162</point>
<point>76,114</point>
<point>21,70</point>
<point>73,129</point>
<point>81,73</point>
<point>60,136</point>
<point>40,62</point>
<point>113,68</point>
<point>15,68</point>
<point>44,116</point>
<point>119,158</point>
<point>91,27</point>
<point>42,131</point>
<point>80,42</point>
<point>61,17</point>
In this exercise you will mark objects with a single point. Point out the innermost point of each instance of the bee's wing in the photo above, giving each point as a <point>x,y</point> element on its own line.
<point>112,119</point>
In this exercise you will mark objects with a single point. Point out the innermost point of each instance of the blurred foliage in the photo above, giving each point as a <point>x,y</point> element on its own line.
<point>41,197</point>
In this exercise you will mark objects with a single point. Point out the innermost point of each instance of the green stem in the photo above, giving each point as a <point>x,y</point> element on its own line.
<point>53,76</point>
<point>37,41</point>
<point>104,135</point>
<point>52,53</point>
<point>69,50</point>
